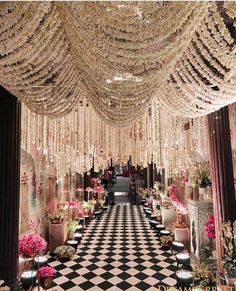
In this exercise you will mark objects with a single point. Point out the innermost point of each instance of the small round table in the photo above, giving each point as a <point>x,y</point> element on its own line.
<point>78,237</point>
<point>97,214</point>
<point>79,228</point>
<point>164,232</point>
<point>153,223</point>
<point>73,243</point>
<point>177,246</point>
<point>182,259</point>
<point>160,227</point>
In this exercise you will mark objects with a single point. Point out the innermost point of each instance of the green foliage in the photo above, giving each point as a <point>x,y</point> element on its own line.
<point>71,226</point>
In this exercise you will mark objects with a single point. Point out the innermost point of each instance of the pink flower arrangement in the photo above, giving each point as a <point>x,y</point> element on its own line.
<point>74,203</point>
<point>46,272</point>
<point>210,226</point>
<point>175,201</point>
<point>99,189</point>
<point>30,245</point>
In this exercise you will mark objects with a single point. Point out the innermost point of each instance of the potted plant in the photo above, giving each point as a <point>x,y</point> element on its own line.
<point>166,240</point>
<point>99,204</point>
<point>56,216</point>
<point>203,275</point>
<point>71,228</point>
<point>45,275</point>
<point>64,252</point>
<point>28,279</point>
<point>200,181</point>
<point>229,242</point>
<point>87,205</point>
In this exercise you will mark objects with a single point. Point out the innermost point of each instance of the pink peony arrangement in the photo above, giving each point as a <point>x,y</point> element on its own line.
<point>46,272</point>
<point>210,226</point>
<point>175,201</point>
<point>99,189</point>
<point>74,203</point>
<point>30,245</point>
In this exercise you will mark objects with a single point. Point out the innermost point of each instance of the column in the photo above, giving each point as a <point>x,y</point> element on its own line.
<point>222,172</point>
<point>9,186</point>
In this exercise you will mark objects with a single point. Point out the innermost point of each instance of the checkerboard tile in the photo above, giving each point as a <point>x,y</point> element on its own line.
<point>119,251</point>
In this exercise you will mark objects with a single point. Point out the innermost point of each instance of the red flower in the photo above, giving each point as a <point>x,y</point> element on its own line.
<point>210,226</point>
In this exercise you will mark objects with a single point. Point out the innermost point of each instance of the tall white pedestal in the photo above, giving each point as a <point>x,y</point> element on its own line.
<point>199,212</point>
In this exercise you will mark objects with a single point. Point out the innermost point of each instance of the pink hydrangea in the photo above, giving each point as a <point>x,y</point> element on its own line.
<point>30,245</point>
<point>45,272</point>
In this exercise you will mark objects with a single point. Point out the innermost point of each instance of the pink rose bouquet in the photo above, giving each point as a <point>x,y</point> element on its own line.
<point>30,245</point>
<point>46,272</point>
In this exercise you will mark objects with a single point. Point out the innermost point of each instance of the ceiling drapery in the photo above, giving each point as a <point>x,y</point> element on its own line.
<point>120,56</point>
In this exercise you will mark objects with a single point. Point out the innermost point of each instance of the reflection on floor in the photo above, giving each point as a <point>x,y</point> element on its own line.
<point>118,252</point>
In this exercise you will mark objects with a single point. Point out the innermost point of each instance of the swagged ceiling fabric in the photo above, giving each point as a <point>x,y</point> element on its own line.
<point>120,56</point>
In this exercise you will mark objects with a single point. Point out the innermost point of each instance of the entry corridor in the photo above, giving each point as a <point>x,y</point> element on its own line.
<point>118,252</point>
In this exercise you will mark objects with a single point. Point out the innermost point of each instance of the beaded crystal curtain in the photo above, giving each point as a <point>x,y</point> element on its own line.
<point>69,143</point>
<point>120,56</point>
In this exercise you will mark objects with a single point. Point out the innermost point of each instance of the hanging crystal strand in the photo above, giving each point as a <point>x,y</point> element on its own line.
<point>23,128</point>
<point>155,149</point>
<point>74,138</point>
<point>28,131</point>
<point>206,139</point>
<point>45,135</point>
<point>88,157</point>
<point>40,133</point>
<point>70,144</point>
<point>158,136</point>
<point>26,126</point>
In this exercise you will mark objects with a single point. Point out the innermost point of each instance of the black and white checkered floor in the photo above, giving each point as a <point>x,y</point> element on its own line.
<point>118,252</point>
